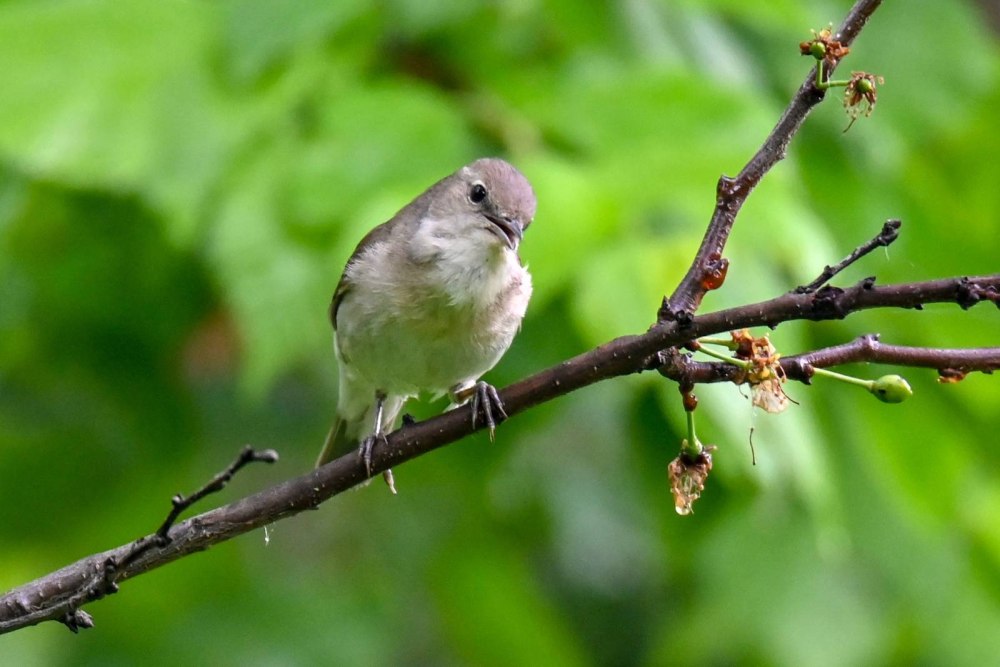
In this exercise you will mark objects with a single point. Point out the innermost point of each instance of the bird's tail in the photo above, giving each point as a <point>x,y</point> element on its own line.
<point>338,442</point>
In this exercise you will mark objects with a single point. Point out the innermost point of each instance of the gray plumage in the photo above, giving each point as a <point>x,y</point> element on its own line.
<point>431,299</point>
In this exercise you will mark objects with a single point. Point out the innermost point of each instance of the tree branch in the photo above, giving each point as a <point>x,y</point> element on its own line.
<point>732,193</point>
<point>65,604</point>
<point>951,364</point>
<point>46,597</point>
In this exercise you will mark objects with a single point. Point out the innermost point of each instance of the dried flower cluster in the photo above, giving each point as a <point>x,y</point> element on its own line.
<point>687,476</point>
<point>824,47</point>
<point>765,375</point>
<point>862,87</point>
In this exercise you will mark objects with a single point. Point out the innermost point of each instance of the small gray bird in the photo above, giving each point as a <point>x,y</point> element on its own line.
<point>428,302</point>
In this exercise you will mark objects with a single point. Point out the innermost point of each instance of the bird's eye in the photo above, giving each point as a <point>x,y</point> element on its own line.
<point>477,194</point>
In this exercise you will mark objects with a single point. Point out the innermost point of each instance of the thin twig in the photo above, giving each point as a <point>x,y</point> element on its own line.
<point>889,233</point>
<point>180,503</point>
<point>105,579</point>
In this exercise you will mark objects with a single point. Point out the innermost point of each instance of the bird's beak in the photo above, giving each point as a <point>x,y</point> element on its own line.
<point>509,230</point>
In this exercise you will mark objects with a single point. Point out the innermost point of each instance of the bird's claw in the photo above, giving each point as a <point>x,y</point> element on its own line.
<point>486,398</point>
<point>365,451</point>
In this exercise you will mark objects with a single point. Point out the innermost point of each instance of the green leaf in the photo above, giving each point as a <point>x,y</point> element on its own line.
<point>113,94</point>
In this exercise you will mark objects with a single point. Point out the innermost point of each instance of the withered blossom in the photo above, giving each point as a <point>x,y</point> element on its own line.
<point>824,47</point>
<point>765,375</point>
<point>687,476</point>
<point>862,87</point>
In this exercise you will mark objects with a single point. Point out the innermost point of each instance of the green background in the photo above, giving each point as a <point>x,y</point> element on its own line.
<point>181,183</point>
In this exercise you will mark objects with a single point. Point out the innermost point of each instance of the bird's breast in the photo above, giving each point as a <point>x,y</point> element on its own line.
<point>410,328</point>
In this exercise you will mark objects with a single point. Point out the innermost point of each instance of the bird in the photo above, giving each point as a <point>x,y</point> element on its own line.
<point>428,302</point>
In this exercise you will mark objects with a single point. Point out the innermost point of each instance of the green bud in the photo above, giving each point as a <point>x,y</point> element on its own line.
<point>891,389</point>
<point>864,86</point>
<point>692,451</point>
<point>817,50</point>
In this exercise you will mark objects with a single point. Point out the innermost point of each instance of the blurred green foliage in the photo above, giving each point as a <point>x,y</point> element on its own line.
<point>181,182</point>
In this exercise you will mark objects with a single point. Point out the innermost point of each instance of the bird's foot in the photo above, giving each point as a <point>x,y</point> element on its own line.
<point>486,398</point>
<point>365,452</point>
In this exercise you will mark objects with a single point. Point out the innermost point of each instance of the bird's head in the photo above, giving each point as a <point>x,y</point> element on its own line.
<point>487,204</point>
